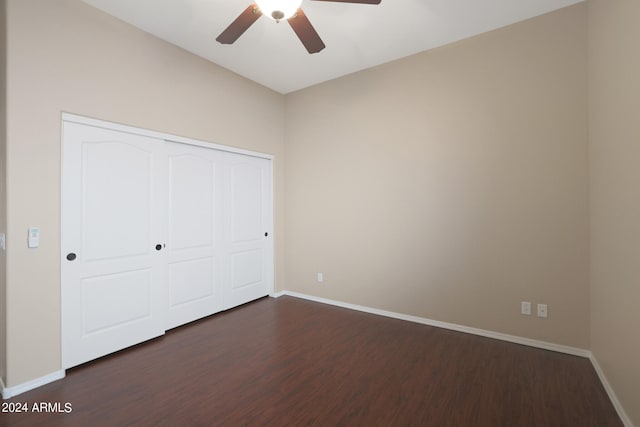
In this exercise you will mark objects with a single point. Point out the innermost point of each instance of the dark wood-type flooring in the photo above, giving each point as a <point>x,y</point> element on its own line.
<point>291,362</point>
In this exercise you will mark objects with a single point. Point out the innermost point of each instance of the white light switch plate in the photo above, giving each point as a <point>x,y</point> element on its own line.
<point>34,237</point>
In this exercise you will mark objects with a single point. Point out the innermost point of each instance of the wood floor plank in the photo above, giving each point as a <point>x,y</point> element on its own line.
<point>290,362</point>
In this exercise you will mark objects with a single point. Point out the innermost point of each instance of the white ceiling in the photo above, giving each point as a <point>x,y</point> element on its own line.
<point>357,36</point>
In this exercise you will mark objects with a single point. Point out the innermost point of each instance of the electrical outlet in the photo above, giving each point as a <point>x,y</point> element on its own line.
<point>542,310</point>
<point>320,277</point>
<point>525,308</point>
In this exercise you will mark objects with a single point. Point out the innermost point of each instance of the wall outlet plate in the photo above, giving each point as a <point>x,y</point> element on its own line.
<point>542,310</point>
<point>525,308</point>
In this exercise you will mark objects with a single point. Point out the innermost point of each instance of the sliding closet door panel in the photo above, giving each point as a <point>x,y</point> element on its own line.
<point>195,235</point>
<point>248,220</point>
<point>111,273</point>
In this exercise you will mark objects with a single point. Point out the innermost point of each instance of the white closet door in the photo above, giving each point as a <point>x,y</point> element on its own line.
<point>248,229</point>
<point>112,274</point>
<point>195,238</point>
<point>156,234</point>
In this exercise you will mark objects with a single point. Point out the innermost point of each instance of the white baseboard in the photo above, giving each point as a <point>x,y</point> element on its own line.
<point>445,325</point>
<point>612,395</point>
<point>277,294</point>
<point>481,332</point>
<point>9,392</point>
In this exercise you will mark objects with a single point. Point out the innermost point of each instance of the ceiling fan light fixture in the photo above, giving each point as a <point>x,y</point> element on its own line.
<point>279,9</point>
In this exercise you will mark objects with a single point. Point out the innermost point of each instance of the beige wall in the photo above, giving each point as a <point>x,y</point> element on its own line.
<point>451,184</point>
<point>614,130</point>
<point>67,56</point>
<point>3,193</point>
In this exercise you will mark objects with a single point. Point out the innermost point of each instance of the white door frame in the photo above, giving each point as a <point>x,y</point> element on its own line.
<point>74,118</point>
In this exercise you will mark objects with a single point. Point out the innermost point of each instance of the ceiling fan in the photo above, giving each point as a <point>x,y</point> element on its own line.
<point>279,10</point>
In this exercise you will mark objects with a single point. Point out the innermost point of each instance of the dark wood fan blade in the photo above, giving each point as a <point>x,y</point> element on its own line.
<point>240,25</point>
<point>354,1</point>
<point>306,33</point>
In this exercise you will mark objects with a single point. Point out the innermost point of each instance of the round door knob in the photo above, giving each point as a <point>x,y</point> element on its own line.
<point>158,247</point>
<point>71,256</point>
